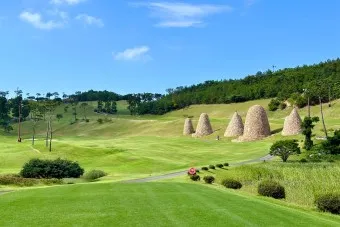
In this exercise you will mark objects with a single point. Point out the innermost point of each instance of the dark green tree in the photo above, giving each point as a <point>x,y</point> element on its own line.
<point>284,149</point>
<point>307,127</point>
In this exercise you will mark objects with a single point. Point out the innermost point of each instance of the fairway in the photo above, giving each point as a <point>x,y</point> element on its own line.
<point>148,204</point>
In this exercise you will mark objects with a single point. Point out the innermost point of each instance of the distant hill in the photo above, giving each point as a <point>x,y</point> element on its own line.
<point>282,83</point>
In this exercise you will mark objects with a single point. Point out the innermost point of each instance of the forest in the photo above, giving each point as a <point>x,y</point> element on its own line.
<point>316,82</point>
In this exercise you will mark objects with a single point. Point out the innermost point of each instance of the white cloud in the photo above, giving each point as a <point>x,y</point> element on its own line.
<point>182,14</point>
<point>37,21</point>
<point>249,3</point>
<point>90,20</point>
<point>68,2</point>
<point>137,53</point>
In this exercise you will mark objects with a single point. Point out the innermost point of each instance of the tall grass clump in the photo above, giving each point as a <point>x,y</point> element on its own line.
<point>94,175</point>
<point>303,182</point>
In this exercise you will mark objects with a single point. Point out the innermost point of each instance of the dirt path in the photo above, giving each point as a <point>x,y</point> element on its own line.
<point>181,173</point>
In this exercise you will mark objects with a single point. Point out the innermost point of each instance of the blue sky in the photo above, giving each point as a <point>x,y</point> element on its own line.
<point>148,46</point>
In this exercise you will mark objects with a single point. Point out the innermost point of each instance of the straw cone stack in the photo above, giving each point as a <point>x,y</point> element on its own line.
<point>292,125</point>
<point>256,125</point>
<point>235,127</point>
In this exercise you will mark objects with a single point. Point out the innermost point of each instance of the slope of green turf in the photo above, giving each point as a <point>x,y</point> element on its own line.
<point>148,204</point>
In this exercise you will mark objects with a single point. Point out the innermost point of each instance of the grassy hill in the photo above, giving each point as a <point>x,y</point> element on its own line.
<point>129,147</point>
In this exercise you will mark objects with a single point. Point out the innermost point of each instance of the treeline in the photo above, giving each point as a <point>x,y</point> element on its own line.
<point>315,81</point>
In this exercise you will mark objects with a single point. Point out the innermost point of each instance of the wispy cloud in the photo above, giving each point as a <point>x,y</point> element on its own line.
<point>137,53</point>
<point>67,2</point>
<point>36,20</point>
<point>182,14</point>
<point>90,20</point>
<point>249,3</point>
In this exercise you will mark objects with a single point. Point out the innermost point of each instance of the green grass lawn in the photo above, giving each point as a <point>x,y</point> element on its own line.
<point>149,204</point>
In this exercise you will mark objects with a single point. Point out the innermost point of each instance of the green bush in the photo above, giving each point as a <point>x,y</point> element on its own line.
<point>329,203</point>
<point>231,183</point>
<point>226,164</point>
<point>273,104</point>
<point>94,175</point>
<point>303,160</point>
<point>100,120</point>
<point>205,168</point>
<point>271,189</point>
<point>219,166</point>
<point>211,167</point>
<point>195,177</point>
<point>197,170</point>
<point>59,168</point>
<point>209,179</point>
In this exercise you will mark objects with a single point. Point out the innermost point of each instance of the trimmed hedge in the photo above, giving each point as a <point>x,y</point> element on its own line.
<point>94,175</point>
<point>271,189</point>
<point>195,177</point>
<point>209,179</point>
<point>59,168</point>
<point>205,168</point>
<point>231,183</point>
<point>226,164</point>
<point>219,166</point>
<point>212,167</point>
<point>329,203</point>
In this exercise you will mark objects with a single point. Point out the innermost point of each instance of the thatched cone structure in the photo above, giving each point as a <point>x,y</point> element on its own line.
<point>203,127</point>
<point>292,125</point>
<point>256,125</point>
<point>188,127</point>
<point>235,127</point>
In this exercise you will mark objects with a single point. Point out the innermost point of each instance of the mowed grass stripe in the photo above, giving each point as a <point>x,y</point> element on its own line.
<point>148,204</point>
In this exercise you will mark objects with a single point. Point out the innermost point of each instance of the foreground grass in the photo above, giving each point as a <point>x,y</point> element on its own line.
<point>148,204</point>
<point>302,181</point>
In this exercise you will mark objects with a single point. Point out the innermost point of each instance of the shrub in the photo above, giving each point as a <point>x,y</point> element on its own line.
<point>197,170</point>
<point>329,203</point>
<point>219,165</point>
<point>58,168</point>
<point>303,160</point>
<point>205,168</point>
<point>209,179</point>
<point>226,164</point>
<point>211,167</point>
<point>87,120</point>
<point>100,120</point>
<point>231,183</point>
<point>195,177</point>
<point>273,104</point>
<point>94,175</point>
<point>271,189</point>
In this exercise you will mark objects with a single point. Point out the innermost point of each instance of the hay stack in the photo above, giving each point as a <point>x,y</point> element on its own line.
<point>235,127</point>
<point>188,127</point>
<point>256,125</point>
<point>203,127</point>
<point>292,125</point>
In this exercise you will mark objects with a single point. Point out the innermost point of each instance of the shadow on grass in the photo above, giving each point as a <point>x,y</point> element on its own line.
<point>277,131</point>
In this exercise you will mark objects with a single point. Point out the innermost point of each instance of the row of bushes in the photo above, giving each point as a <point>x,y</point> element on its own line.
<point>214,166</point>
<point>269,188</point>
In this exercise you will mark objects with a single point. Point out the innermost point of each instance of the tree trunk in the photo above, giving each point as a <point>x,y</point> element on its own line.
<point>47,131</point>
<point>322,117</point>
<point>33,137</point>
<point>308,107</point>
<point>50,136</point>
